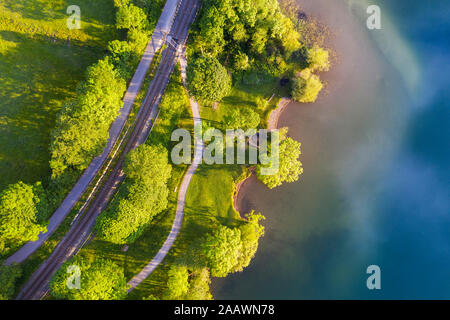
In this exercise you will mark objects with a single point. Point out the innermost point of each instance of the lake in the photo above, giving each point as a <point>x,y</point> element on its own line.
<point>376,155</point>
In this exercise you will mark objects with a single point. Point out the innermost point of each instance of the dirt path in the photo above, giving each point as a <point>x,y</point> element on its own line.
<point>176,226</point>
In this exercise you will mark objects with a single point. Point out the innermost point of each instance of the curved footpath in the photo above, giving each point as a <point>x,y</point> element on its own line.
<point>176,226</point>
<point>97,163</point>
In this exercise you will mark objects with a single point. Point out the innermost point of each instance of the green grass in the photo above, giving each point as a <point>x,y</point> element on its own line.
<point>209,201</point>
<point>150,241</point>
<point>33,262</point>
<point>208,204</point>
<point>247,92</point>
<point>38,72</point>
<point>147,245</point>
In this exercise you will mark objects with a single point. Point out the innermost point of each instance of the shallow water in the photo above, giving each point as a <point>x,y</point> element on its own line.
<point>376,155</point>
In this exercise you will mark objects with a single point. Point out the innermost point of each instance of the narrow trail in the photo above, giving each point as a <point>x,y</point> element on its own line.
<point>176,226</point>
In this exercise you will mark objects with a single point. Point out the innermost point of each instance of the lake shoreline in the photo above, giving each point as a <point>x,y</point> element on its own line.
<point>315,126</point>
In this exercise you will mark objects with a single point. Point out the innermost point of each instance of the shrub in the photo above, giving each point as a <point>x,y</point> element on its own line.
<point>318,59</point>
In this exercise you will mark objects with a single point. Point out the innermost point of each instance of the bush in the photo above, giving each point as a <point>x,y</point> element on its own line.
<point>242,118</point>
<point>318,59</point>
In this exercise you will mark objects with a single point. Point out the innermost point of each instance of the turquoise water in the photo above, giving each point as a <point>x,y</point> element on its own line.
<point>376,153</point>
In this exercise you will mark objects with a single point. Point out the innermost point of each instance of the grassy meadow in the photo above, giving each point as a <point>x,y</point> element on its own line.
<point>41,63</point>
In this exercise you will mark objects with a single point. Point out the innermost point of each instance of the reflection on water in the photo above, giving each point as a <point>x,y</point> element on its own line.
<point>376,153</point>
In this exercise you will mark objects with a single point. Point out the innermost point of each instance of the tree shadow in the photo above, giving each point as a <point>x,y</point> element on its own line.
<point>36,77</point>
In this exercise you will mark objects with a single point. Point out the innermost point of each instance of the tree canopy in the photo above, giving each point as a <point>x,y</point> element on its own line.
<point>306,87</point>
<point>131,17</point>
<point>22,209</point>
<point>142,195</point>
<point>242,118</point>
<point>99,280</point>
<point>231,249</point>
<point>252,27</point>
<point>82,126</point>
<point>207,79</point>
<point>290,168</point>
<point>199,285</point>
<point>222,249</point>
<point>178,284</point>
<point>8,277</point>
<point>251,232</point>
<point>318,59</point>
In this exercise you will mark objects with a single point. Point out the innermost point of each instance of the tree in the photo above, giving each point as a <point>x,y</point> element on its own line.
<point>20,219</point>
<point>175,99</point>
<point>241,62</point>
<point>242,118</point>
<point>138,40</point>
<point>123,56</point>
<point>142,195</point>
<point>290,168</point>
<point>259,40</point>
<point>99,280</point>
<point>177,285</point>
<point>8,277</point>
<point>82,126</point>
<point>148,164</point>
<point>318,59</point>
<point>199,286</point>
<point>258,28</point>
<point>289,37</point>
<point>131,17</point>
<point>306,88</point>
<point>251,232</point>
<point>207,79</point>
<point>239,33</point>
<point>121,3</point>
<point>222,248</point>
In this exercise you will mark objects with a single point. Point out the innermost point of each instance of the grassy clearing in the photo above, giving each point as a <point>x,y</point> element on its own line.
<point>38,71</point>
<point>254,91</point>
<point>208,204</point>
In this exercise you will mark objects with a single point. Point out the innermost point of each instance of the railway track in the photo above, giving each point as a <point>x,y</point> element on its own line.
<point>37,285</point>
